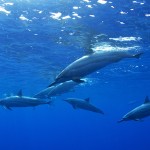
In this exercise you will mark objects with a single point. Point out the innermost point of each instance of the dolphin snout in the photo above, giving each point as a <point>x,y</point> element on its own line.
<point>120,120</point>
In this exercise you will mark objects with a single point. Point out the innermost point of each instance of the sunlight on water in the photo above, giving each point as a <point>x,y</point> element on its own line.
<point>2,9</point>
<point>107,47</point>
<point>66,17</point>
<point>147,15</point>
<point>102,1</point>
<point>122,39</point>
<point>87,1</point>
<point>5,4</point>
<point>56,15</point>
<point>22,17</point>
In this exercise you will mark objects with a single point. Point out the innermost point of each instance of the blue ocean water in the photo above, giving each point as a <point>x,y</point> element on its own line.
<point>39,38</point>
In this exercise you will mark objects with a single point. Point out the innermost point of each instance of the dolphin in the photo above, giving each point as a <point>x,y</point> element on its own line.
<point>89,64</point>
<point>62,88</point>
<point>83,104</point>
<point>139,112</point>
<point>44,94</point>
<point>21,101</point>
<point>56,90</point>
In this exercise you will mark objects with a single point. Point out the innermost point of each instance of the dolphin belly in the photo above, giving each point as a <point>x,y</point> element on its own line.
<point>17,104</point>
<point>80,71</point>
<point>23,102</point>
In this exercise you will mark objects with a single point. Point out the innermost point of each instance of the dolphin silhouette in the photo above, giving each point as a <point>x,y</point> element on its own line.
<point>56,90</point>
<point>139,112</point>
<point>21,101</point>
<point>83,104</point>
<point>89,64</point>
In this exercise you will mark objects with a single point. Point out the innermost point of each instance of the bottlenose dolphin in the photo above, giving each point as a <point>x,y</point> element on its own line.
<point>91,63</point>
<point>139,112</point>
<point>83,104</point>
<point>21,101</point>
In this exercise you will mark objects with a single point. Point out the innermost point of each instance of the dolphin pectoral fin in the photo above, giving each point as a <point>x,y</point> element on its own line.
<point>138,55</point>
<point>137,119</point>
<point>78,80</point>
<point>49,102</point>
<point>87,100</point>
<point>9,108</point>
<point>101,112</point>
<point>19,93</point>
<point>74,106</point>
<point>6,107</point>
<point>146,100</point>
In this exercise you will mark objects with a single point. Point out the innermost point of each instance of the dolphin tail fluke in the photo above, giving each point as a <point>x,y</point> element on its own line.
<point>49,102</point>
<point>6,107</point>
<point>101,112</point>
<point>137,55</point>
<point>35,96</point>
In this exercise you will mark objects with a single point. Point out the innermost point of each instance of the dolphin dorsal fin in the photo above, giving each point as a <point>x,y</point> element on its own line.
<point>87,99</point>
<point>146,100</point>
<point>19,93</point>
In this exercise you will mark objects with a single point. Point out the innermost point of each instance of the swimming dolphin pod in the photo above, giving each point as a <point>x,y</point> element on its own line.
<point>70,77</point>
<point>139,112</point>
<point>21,101</point>
<point>89,64</point>
<point>83,104</point>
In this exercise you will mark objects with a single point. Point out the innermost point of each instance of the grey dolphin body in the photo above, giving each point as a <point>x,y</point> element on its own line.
<point>56,90</point>
<point>21,101</point>
<point>62,88</point>
<point>44,94</point>
<point>91,63</point>
<point>139,112</point>
<point>83,104</point>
